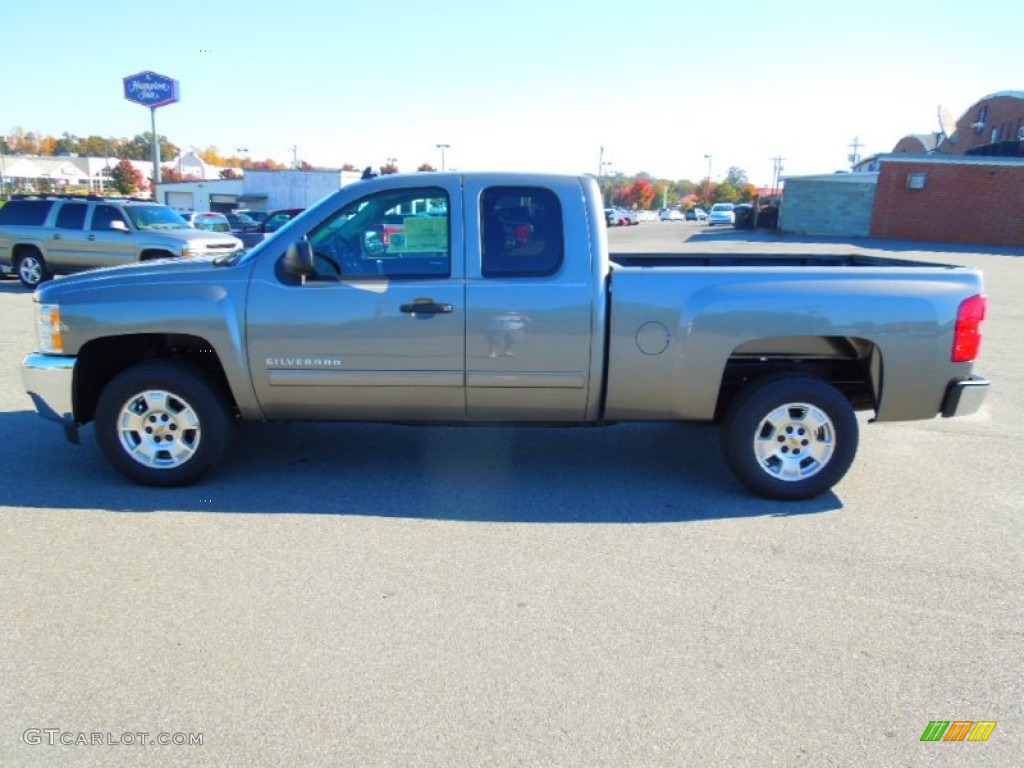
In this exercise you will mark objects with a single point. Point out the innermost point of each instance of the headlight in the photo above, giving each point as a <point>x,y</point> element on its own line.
<point>188,250</point>
<point>49,329</point>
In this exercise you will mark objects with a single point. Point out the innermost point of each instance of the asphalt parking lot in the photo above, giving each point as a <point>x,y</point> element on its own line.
<point>361,595</point>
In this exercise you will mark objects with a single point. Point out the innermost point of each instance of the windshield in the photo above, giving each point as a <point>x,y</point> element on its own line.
<point>722,207</point>
<point>154,217</point>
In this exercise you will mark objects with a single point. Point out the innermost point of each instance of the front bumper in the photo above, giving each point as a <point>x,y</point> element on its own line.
<point>49,381</point>
<point>965,396</point>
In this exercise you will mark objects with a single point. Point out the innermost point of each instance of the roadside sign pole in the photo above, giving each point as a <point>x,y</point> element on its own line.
<point>152,90</point>
<point>156,152</point>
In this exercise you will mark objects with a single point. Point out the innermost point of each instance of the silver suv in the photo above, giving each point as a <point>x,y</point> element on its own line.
<point>41,236</point>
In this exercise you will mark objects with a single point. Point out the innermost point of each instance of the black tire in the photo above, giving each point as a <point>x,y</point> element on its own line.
<point>790,437</point>
<point>31,269</point>
<point>186,411</point>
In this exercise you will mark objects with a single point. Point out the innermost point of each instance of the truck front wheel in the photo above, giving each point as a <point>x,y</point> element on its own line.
<point>790,437</point>
<point>163,424</point>
<point>31,268</point>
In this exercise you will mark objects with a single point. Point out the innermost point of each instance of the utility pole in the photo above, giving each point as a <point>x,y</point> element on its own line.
<point>295,156</point>
<point>854,157</point>
<point>443,147</point>
<point>776,174</point>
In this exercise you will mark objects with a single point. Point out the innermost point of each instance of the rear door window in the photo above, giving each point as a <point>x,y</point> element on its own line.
<point>522,232</point>
<point>72,216</point>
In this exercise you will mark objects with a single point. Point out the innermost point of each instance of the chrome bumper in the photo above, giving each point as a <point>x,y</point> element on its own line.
<point>965,397</point>
<point>49,381</point>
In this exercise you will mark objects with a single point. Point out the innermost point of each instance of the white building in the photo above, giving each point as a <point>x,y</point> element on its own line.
<point>64,173</point>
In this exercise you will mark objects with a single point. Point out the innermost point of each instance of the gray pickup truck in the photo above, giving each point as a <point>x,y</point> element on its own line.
<point>484,298</point>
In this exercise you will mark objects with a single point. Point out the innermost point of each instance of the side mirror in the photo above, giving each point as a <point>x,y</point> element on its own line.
<point>119,225</point>
<point>298,259</point>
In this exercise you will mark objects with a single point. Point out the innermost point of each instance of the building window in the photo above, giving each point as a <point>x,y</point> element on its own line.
<point>996,134</point>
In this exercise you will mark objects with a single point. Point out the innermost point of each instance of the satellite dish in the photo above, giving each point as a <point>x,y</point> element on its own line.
<point>947,125</point>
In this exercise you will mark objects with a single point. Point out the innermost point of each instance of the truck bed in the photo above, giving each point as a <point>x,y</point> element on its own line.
<point>764,260</point>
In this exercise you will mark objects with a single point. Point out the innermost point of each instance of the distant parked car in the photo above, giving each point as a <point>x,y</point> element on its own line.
<point>671,214</point>
<point>208,221</point>
<point>743,216</point>
<point>631,217</point>
<point>696,214</point>
<point>245,228</point>
<point>257,216</point>
<point>277,219</point>
<point>241,222</point>
<point>721,213</point>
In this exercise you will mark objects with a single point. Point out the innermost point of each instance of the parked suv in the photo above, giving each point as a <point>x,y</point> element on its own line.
<point>41,236</point>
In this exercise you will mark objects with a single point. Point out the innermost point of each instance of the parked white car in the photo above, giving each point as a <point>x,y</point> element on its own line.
<point>671,214</point>
<point>721,213</point>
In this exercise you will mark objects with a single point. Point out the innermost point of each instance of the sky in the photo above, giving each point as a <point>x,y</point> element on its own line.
<point>553,86</point>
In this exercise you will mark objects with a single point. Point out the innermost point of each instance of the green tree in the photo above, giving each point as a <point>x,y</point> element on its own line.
<point>737,177</point>
<point>141,148</point>
<point>726,193</point>
<point>126,178</point>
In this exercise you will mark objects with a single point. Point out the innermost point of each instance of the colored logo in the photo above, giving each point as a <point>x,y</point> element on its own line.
<point>150,89</point>
<point>958,730</point>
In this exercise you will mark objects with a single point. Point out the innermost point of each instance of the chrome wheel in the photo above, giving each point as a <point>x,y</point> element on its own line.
<point>32,270</point>
<point>159,429</point>
<point>795,441</point>
<point>790,436</point>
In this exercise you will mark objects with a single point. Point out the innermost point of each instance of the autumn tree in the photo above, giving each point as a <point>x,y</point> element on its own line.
<point>170,175</point>
<point>212,156</point>
<point>426,167</point>
<point>388,169</point>
<point>126,178</point>
<point>229,173</point>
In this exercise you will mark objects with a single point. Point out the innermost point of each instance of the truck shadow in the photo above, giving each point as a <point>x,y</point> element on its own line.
<point>628,473</point>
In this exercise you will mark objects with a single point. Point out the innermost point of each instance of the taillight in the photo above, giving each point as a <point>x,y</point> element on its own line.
<point>967,336</point>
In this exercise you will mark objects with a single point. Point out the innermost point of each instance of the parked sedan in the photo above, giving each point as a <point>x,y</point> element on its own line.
<point>208,221</point>
<point>671,214</point>
<point>696,214</point>
<point>278,219</point>
<point>721,213</point>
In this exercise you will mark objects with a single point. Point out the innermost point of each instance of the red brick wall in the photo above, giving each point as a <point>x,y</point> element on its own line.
<point>980,204</point>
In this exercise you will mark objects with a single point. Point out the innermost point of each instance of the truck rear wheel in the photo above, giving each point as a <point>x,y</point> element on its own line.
<point>163,424</point>
<point>31,268</point>
<point>790,437</point>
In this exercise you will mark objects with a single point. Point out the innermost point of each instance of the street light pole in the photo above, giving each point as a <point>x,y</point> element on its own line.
<point>707,185</point>
<point>443,147</point>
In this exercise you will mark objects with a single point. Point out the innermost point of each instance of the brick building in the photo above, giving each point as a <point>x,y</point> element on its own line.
<point>993,125</point>
<point>967,199</point>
